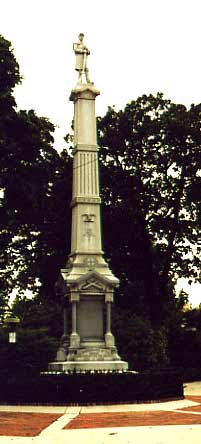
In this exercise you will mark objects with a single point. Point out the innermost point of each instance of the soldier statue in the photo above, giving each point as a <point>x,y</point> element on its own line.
<point>81,52</point>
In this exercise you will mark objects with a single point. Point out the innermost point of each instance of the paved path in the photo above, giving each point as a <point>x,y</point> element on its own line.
<point>150,434</point>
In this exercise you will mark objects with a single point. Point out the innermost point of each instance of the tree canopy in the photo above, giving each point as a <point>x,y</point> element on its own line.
<point>32,232</point>
<point>151,174</point>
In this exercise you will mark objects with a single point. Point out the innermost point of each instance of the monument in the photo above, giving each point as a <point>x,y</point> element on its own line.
<point>87,281</point>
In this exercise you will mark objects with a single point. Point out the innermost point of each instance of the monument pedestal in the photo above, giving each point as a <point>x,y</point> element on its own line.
<point>82,366</point>
<point>91,342</point>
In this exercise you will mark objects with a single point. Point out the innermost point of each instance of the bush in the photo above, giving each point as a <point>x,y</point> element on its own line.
<point>138,343</point>
<point>91,388</point>
<point>31,353</point>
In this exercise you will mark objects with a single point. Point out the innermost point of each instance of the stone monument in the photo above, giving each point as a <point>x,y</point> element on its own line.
<point>88,283</point>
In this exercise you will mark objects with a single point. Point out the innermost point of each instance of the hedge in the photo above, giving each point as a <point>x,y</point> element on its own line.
<point>91,388</point>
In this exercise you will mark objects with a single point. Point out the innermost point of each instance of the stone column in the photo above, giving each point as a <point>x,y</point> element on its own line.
<point>65,321</point>
<point>109,338</point>
<point>74,337</point>
<point>108,317</point>
<point>74,317</point>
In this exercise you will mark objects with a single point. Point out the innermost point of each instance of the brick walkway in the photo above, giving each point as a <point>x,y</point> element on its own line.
<point>185,416</point>
<point>24,424</point>
<point>29,424</point>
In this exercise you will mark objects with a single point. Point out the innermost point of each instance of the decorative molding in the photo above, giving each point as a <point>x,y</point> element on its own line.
<point>88,217</point>
<point>85,147</point>
<point>85,200</point>
<point>84,91</point>
<point>92,285</point>
<point>90,262</point>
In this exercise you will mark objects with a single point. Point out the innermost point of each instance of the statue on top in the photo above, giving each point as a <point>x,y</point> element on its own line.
<point>81,52</point>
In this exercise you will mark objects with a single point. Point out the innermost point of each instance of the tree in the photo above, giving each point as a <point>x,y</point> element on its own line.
<point>138,343</point>
<point>185,327</point>
<point>151,177</point>
<point>54,242</point>
<point>9,78</point>
<point>35,179</point>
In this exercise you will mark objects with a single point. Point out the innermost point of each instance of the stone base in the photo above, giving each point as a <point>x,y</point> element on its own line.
<point>79,366</point>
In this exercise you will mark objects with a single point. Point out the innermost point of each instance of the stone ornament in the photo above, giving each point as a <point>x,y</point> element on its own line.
<point>90,262</point>
<point>81,53</point>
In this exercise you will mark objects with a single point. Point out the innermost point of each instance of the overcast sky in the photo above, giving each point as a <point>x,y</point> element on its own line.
<point>137,47</point>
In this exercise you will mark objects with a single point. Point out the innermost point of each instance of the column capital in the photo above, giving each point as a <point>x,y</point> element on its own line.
<point>74,296</point>
<point>84,91</point>
<point>109,297</point>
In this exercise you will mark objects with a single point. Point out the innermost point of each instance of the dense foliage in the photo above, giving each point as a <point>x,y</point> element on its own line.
<point>36,191</point>
<point>91,388</point>
<point>151,174</point>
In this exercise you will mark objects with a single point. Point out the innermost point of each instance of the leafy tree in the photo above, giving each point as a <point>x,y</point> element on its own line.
<point>54,242</point>
<point>185,351</point>
<point>36,183</point>
<point>9,77</point>
<point>30,354</point>
<point>138,343</point>
<point>150,153</point>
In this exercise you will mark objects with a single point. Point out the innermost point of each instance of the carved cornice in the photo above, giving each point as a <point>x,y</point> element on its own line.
<point>84,147</point>
<point>77,281</point>
<point>85,200</point>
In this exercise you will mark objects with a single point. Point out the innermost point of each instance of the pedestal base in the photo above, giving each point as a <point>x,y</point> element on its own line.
<point>91,355</point>
<point>79,366</point>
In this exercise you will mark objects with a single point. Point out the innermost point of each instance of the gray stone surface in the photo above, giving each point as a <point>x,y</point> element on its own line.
<point>87,282</point>
<point>80,366</point>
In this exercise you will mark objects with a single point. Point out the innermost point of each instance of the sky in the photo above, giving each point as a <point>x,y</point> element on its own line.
<point>137,47</point>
